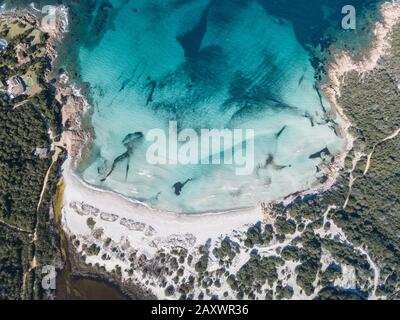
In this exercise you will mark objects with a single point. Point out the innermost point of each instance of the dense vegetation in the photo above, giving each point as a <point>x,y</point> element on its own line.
<point>15,255</point>
<point>370,221</point>
<point>28,240</point>
<point>359,236</point>
<point>21,172</point>
<point>371,218</point>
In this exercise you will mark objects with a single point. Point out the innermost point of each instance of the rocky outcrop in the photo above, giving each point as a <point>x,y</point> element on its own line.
<point>73,107</point>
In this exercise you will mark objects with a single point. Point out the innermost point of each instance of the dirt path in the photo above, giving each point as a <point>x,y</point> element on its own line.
<point>33,263</point>
<point>15,228</point>
<point>390,137</point>
<point>25,277</point>
<point>57,151</point>
<point>356,159</point>
<point>339,231</point>
<point>46,178</point>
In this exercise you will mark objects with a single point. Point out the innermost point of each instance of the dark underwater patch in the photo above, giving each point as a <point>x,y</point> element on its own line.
<point>179,186</point>
<point>191,40</point>
<point>130,142</point>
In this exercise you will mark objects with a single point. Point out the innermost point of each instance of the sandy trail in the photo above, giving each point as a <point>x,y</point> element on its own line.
<point>390,137</point>
<point>15,228</point>
<point>167,226</point>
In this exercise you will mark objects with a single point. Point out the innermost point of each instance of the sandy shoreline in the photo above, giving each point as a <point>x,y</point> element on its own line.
<point>166,223</point>
<point>230,220</point>
<point>139,228</point>
<point>344,63</point>
<point>76,139</point>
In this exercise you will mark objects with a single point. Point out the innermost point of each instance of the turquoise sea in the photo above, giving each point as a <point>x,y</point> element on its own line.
<point>209,64</point>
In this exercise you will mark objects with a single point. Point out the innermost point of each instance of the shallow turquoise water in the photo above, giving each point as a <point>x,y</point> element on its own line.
<point>205,64</point>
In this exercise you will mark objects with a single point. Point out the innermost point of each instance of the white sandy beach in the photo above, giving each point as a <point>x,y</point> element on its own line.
<point>137,227</point>
<point>201,226</point>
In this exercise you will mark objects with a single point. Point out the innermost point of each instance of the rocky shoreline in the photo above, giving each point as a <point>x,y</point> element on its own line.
<point>337,69</point>
<point>74,104</point>
<point>340,65</point>
<point>344,63</point>
<point>73,138</point>
<point>76,139</point>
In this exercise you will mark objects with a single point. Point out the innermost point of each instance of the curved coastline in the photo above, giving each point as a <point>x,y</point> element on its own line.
<point>169,223</point>
<point>134,228</point>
